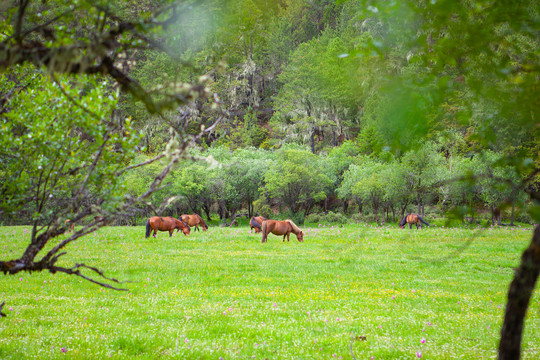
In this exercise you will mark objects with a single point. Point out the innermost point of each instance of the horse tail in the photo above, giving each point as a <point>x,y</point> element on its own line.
<point>422,220</point>
<point>263,231</point>
<point>148,227</point>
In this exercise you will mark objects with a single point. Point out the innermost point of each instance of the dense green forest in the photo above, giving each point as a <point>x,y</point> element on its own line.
<point>365,109</point>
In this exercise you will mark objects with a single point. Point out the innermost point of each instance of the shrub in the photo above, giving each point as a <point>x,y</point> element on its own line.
<point>522,216</point>
<point>357,217</point>
<point>313,218</point>
<point>336,218</point>
<point>298,218</point>
<point>331,217</point>
<point>261,207</point>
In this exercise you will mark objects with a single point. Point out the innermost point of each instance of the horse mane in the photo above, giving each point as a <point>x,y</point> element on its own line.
<point>295,228</point>
<point>254,222</point>
<point>404,220</point>
<point>185,224</point>
<point>200,218</point>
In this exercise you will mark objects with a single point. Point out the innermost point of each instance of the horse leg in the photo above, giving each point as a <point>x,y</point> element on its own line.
<point>155,233</point>
<point>171,232</point>
<point>284,237</point>
<point>288,234</point>
<point>410,226</point>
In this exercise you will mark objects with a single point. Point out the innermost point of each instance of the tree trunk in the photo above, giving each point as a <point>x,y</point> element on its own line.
<point>232,215</point>
<point>326,205</point>
<point>308,210</point>
<point>312,141</point>
<point>512,216</point>
<point>376,210</point>
<point>519,295</point>
<point>404,208</point>
<point>222,210</point>
<point>360,206</point>
<point>207,212</point>
<point>496,216</point>
<point>345,206</point>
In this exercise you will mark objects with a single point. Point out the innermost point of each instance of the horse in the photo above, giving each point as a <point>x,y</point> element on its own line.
<point>412,219</point>
<point>194,220</point>
<point>284,228</point>
<point>70,225</point>
<point>166,224</point>
<point>256,222</point>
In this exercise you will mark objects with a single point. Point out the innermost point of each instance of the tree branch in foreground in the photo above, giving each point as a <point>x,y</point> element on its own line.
<point>519,296</point>
<point>1,313</point>
<point>75,271</point>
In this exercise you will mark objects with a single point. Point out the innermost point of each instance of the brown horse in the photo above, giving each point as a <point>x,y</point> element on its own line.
<point>194,220</point>
<point>284,228</point>
<point>256,222</point>
<point>412,219</point>
<point>166,224</point>
<point>70,225</point>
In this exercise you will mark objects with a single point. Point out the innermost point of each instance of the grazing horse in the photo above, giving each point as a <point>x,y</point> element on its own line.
<point>194,220</point>
<point>284,228</point>
<point>166,224</point>
<point>256,222</point>
<point>412,219</point>
<point>70,224</point>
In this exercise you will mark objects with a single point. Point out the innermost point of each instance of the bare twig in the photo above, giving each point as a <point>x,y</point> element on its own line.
<point>1,313</point>
<point>351,348</point>
<point>18,23</point>
<point>131,167</point>
<point>75,271</point>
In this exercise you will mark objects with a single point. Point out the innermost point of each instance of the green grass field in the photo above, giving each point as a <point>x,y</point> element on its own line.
<point>355,291</point>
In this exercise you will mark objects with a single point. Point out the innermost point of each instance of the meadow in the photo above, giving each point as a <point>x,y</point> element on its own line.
<point>358,291</point>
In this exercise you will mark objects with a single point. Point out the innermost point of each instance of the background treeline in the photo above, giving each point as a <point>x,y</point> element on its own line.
<point>331,106</point>
<point>342,185</point>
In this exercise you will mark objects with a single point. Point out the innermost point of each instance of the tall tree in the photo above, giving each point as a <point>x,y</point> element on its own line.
<point>296,180</point>
<point>421,165</point>
<point>74,143</point>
